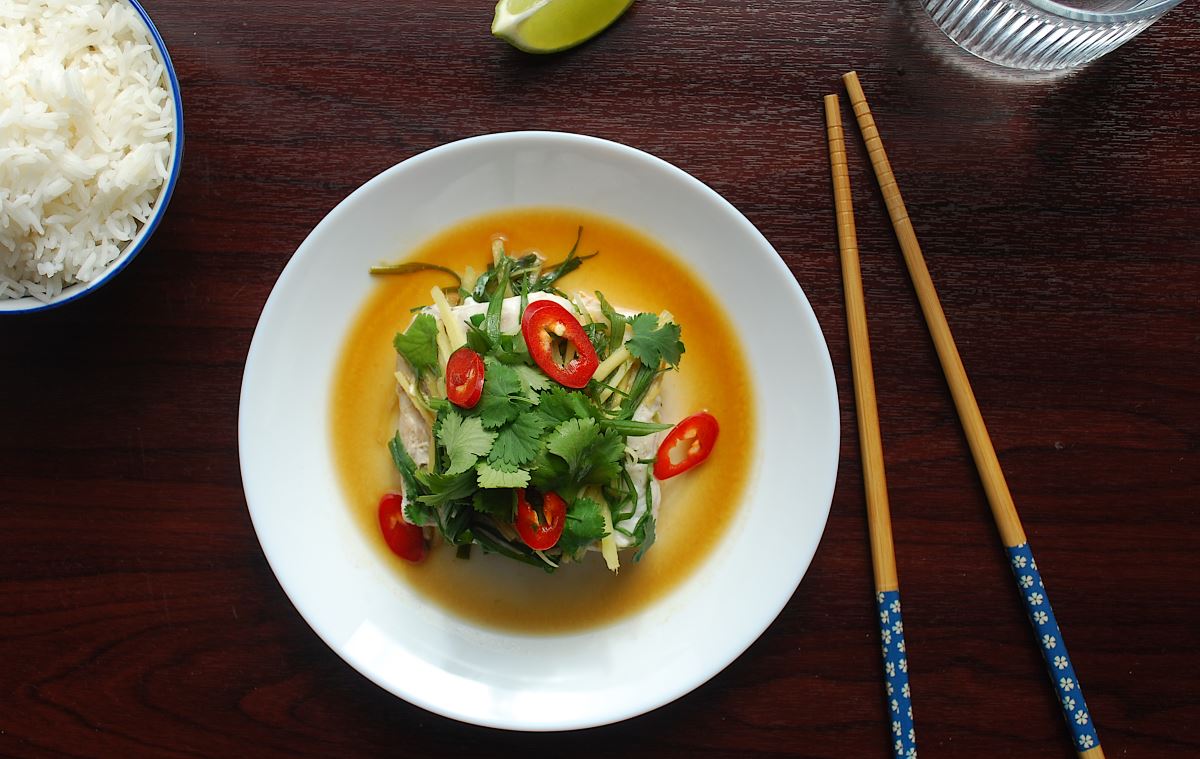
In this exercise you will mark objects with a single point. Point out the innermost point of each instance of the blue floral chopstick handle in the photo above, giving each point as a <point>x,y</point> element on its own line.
<point>1054,650</point>
<point>895,670</point>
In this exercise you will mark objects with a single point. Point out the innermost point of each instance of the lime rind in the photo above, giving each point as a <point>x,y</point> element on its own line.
<point>551,26</point>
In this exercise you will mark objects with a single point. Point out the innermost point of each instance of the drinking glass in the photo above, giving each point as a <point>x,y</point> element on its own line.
<point>1044,35</point>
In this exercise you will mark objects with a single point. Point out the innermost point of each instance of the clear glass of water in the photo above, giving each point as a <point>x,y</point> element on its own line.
<point>1044,35</point>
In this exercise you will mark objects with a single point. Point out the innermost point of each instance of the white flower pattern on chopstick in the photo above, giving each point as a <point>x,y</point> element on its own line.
<point>895,668</point>
<point>1054,650</point>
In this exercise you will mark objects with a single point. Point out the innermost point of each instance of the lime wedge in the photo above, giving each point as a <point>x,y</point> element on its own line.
<point>547,26</point>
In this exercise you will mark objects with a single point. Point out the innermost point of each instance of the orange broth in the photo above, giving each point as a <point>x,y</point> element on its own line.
<point>696,508</point>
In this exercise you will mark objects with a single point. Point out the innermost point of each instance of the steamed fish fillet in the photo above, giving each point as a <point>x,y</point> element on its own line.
<point>415,422</point>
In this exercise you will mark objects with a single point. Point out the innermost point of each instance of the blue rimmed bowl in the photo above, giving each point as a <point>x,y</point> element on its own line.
<point>29,303</point>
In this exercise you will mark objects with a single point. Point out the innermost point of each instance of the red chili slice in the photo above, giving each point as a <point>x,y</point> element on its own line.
<point>404,538</point>
<point>464,377</point>
<point>690,442</point>
<point>542,322</point>
<point>540,532</point>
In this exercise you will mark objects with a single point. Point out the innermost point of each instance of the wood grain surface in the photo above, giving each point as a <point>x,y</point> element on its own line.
<point>1058,216</point>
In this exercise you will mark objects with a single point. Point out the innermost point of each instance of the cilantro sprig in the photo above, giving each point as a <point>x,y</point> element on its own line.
<point>418,344</point>
<point>585,525</point>
<point>464,440</point>
<point>653,344</point>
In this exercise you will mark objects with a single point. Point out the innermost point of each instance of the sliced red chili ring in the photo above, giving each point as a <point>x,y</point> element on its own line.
<point>688,444</point>
<point>540,531</point>
<point>464,377</point>
<point>405,539</point>
<point>543,322</point>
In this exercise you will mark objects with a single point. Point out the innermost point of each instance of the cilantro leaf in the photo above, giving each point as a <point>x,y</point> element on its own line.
<point>477,339</point>
<point>593,456</point>
<point>605,459</point>
<point>464,439</point>
<point>500,504</point>
<point>443,488</point>
<point>419,345</point>
<point>503,396</point>
<point>549,472</point>
<point>584,526</point>
<point>571,440</point>
<point>560,405</point>
<point>501,477</point>
<point>520,440</point>
<point>534,378</point>
<point>652,343</point>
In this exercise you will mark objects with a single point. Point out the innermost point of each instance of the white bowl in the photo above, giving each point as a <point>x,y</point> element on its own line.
<point>28,303</point>
<point>415,649</point>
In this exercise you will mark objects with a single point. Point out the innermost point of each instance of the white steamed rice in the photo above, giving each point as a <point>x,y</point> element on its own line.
<point>86,130</point>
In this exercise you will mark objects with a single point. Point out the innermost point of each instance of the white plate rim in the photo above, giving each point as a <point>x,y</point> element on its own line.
<point>804,552</point>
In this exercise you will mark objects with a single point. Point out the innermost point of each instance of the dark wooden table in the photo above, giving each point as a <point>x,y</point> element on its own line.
<point>1058,217</point>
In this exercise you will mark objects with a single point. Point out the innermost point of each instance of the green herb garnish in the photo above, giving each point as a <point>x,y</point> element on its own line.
<point>412,267</point>
<point>418,344</point>
<point>652,343</point>
<point>527,430</point>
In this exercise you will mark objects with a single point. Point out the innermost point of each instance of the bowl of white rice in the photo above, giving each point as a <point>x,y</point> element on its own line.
<point>91,140</point>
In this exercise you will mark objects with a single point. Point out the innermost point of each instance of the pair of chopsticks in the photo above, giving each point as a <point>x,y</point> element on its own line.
<point>1029,582</point>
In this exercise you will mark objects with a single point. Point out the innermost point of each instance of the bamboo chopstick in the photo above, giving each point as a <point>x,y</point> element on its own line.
<point>1062,674</point>
<point>879,520</point>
